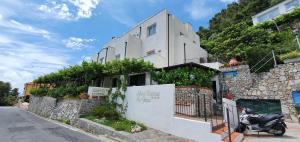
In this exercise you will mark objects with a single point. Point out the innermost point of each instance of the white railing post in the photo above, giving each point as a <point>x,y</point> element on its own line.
<point>275,63</point>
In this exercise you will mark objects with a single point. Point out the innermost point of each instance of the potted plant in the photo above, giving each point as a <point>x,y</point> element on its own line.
<point>291,57</point>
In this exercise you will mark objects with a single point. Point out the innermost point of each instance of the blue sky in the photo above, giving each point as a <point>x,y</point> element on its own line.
<point>41,36</point>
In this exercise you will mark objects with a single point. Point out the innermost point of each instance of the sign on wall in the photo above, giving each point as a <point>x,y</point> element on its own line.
<point>147,96</point>
<point>98,91</point>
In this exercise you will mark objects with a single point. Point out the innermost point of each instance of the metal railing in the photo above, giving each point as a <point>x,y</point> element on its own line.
<point>196,106</point>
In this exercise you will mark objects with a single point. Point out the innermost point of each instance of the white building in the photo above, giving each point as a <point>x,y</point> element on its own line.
<point>275,11</point>
<point>161,39</point>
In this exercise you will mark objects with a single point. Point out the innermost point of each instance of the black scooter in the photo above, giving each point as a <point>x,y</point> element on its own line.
<point>272,123</point>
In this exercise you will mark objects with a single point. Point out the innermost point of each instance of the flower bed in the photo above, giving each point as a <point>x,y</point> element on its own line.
<point>119,125</point>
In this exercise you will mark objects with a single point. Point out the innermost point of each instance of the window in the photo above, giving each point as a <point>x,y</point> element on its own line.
<point>151,30</point>
<point>202,60</point>
<point>181,34</point>
<point>151,52</point>
<point>115,82</point>
<point>118,57</point>
<point>101,60</point>
<point>137,80</point>
<point>291,5</point>
<point>269,15</point>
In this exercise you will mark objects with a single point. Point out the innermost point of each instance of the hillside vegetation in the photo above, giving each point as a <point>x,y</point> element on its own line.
<point>231,33</point>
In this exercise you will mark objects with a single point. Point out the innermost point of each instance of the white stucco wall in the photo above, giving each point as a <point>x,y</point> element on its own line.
<point>154,106</point>
<point>140,43</point>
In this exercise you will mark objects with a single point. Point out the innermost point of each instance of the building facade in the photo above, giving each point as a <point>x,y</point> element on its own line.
<point>275,11</point>
<point>161,39</point>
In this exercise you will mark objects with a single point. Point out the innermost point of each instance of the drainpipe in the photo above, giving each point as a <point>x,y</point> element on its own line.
<point>140,32</point>
<point>184,52</point>
<point>168,38</point>
<point>125,50</point>
<point>106,54</point>
<point>97,57</point>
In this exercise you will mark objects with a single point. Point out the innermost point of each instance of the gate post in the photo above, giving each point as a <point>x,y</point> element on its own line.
<point>205,115</point>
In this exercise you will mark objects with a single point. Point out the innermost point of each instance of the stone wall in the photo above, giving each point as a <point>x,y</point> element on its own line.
<point>187,100</point>
<point>239,84</point>
<point>276,84</point>
<point>68,109</point>
<point>43,106</point>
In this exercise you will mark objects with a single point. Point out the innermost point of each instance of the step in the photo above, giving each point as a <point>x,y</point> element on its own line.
<point>235,137</point>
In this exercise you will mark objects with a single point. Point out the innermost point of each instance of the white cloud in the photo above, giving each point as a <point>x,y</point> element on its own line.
<point>77,43</point>
<point>85,7</point>
<point>13,25</point>
<point>198,9</point>
<point>21,62</point>
<point>62,10</point>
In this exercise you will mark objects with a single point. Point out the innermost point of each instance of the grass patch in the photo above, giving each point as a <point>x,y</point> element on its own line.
<point>290,55</point>
<point>66,121</point>
<point>119,125</point>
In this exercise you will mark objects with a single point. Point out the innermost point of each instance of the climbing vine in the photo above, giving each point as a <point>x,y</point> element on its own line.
<point>184,77</point>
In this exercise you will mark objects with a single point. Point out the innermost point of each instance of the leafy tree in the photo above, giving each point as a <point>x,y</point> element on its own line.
<point>8,96</point>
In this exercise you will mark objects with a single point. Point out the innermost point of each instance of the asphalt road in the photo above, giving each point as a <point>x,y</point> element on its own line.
<point>20,126</point>
<point>292,134</point>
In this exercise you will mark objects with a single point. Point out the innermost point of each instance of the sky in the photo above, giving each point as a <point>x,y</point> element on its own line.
<point>42,36</point>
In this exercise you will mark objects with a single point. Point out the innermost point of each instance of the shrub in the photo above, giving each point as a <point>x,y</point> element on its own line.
<point>184,77</point>
<point>82,89</point>
<point>107,112</point>
<point>70,91</point>
<point>56,92</point>
<point>290,55</point>
<point>123,125</point>
<point>39,91</point>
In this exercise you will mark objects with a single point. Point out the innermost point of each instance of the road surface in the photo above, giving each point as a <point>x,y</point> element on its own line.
<point>292,134</point>
<point>20,126</point>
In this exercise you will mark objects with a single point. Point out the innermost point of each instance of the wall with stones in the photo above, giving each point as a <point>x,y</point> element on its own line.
<point>43,106</point>
<point>69,109</point>
<point>191,100</point>
<point>277,84</point>
<point>239,84</point>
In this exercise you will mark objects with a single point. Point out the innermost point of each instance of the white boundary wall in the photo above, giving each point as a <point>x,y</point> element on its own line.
<point>154,106</point>
<point>233,115</point>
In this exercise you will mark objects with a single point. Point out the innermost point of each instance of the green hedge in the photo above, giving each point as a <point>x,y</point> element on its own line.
<point>290,55</point>
<point>184,77</point>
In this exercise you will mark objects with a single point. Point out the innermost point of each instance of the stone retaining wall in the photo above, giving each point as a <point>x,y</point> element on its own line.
<point>187,100</point>
<point>68,109</point>
<point>276,84</point>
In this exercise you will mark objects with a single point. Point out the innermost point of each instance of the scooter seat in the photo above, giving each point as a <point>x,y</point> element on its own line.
<point>270,117</point>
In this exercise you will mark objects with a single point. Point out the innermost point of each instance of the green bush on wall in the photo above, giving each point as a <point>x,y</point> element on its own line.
<point>74,80</point>
<point>290,55</point>
<point>184,77</point>
<point>39,91</point>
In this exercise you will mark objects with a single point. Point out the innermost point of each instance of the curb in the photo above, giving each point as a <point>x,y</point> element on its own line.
<point>99,137</point>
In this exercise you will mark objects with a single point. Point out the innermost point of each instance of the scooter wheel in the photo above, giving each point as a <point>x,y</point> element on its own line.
<point>240,128</point>
<point>280,129</point>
